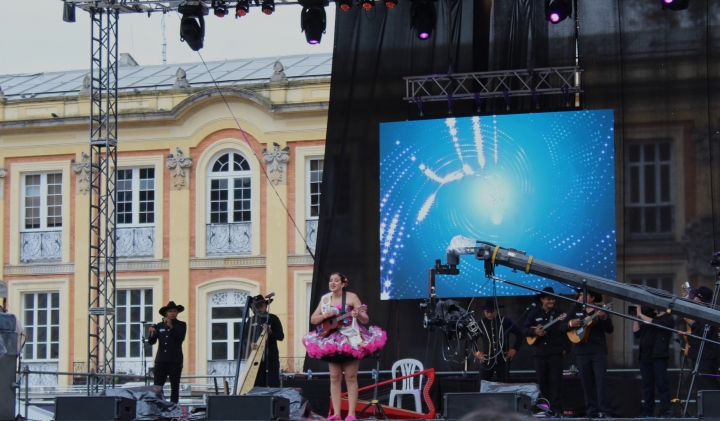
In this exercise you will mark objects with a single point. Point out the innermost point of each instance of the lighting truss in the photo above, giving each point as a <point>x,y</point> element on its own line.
<point>500,84</point>
<point>103,159</point>
<point>152,6</point>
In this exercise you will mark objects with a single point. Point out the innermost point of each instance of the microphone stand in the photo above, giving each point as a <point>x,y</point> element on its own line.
<point>143,356</point>
<point>267,340</point>
<point>677,399</point>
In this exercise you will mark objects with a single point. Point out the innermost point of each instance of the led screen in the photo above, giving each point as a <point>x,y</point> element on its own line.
<point>542,183</point>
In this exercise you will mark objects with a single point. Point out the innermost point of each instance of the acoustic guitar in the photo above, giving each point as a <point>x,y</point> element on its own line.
<point>331,324</point>
<point>580,334</point>
<point>531,340</point>
<point>686,295</point>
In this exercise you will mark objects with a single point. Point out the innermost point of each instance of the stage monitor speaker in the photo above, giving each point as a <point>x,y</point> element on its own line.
<point>94,408</point>
<point>708,402</point>
<point>457,405</point>
<point>247,408</point>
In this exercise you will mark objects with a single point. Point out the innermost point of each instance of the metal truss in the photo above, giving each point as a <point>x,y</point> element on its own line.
<point>103,158</point>
<point>151,6</point>
<point>483,85</point>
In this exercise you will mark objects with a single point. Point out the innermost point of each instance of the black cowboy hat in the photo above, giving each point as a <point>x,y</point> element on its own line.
<point>490,305</point>
<point>544,293</point>
<point>260,299</point>
<point>171,305</point>
<point>705,294</point>
<point>597,297</point>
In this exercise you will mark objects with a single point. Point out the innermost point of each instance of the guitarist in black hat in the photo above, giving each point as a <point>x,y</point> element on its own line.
<point>169,334</point>
<point>548,349</point>
<point>496,353</point>
<point>591,355</point>
<point>270,364</point>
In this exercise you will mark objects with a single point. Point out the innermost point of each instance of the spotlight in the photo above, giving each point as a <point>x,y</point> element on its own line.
<point>390,4</point>
<point>192,25</point>
<point>345,5</point>
<point>675,4</point>
<point>422,18</point>
<point>68,12</point>
<point>557,11</point>
<point>221,9</point>
<point>242,8</point>
<point>367,4</point>
<point>268,7</point>
<point>313,22</point>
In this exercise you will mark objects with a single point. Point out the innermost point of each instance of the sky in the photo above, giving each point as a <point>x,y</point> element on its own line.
<point>44,43</point>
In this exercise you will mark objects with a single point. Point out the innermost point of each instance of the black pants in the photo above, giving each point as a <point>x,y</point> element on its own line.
<point>164,370</point>
<point>707,382</point>
<point>501,368</point>
<point>654,373</point>
<point>549,370</point>
<point>273,373</point>
<point>593,376</point>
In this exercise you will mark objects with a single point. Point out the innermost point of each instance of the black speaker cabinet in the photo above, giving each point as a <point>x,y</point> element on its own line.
<point>247,408</point>
<point>708,402</point>
<point>457,405</point>
<point>94,408</point>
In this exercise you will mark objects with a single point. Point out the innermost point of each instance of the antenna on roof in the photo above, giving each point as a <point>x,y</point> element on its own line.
<point>164,47</point>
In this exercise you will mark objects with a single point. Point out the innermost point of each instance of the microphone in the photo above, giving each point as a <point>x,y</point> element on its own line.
<point>272,294</point>
<point>533,305</point>
<point>147,322</point>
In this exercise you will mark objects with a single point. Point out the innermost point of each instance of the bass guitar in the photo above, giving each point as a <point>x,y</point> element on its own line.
<point>686,295</point>
<point>531,340</point>
<point>331,324</point>
<point>581,333</point>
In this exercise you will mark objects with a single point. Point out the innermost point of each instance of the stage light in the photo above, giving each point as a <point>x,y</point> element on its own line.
<point>313,22</point>
<point>268,7</point>
<point>422,18</point>
<point>345,5</point>
<point>221,9</point>
<point>557,11</point>
<point>390,4</point>
<point>192,25</point>
<point>68,12</point>
<point>367,4</point>
<point>242,8</point>
<point>675,4</point>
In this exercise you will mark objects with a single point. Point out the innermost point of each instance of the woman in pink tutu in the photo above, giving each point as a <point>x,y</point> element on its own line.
<point>344,347</point>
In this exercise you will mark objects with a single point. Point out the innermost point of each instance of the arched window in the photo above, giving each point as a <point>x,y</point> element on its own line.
<point>229,206</point>
<point>225,320</point>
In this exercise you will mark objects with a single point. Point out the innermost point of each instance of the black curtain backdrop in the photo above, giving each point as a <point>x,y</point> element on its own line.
<point>658,70</point>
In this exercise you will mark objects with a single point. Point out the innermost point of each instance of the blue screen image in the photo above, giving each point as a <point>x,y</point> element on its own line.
<point>542,183</point>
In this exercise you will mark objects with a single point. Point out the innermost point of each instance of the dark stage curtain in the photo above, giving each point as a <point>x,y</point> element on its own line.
<point>658,70</point>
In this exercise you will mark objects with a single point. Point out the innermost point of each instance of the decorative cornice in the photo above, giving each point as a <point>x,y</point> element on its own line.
<point>227,262</point>
<point>82,169</point>
<point>276,161</point>
<point>39,269</point>
<point>176,165</point>
<point>141,265</point>
<point>300,260</point>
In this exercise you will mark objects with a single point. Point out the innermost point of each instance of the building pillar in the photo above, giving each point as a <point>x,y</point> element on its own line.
<point>277,237</point>
<point>179,255</point>
<point>81,260</point>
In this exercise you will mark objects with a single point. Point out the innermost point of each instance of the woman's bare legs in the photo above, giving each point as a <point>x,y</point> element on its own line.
<point>351,371</point>
<point>336,375</point>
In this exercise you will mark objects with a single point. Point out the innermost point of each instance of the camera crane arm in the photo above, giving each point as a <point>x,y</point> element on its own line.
<point>493,255</point>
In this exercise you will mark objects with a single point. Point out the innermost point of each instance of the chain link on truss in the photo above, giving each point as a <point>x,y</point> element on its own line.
<point>502,84</point>
<point>103,158</point>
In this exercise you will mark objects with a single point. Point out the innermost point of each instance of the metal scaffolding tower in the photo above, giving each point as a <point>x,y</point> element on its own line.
<point>103,158</point>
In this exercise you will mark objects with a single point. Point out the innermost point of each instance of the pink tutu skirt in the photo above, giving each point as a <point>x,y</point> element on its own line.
<point>336,347</point>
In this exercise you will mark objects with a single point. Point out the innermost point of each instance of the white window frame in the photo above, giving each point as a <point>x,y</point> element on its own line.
<point>308,189</point>
<point>302,284</point>
<point>32,342</point>
<point>301,156</point>
<point>17,171</point>
<point>136,198</point>
<point>143,332</point>
<point>230,176</point>
<point>43,201</point>
<point>641,204</point>
<point>230,340</point>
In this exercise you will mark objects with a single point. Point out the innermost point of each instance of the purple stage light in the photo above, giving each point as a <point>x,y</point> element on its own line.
<point>313,41</point>
<point>423,35</point>
<point>555,18</point>
<point>667,1</point>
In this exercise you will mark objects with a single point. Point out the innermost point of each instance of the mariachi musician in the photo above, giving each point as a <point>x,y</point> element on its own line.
<point>270,364</point>
<point>548,349</point>
<point>711,352</point>
<point>496,353</point>
<point>591,355</point>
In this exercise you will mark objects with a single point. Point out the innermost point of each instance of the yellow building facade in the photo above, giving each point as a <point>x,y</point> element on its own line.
<point>218,189</point>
